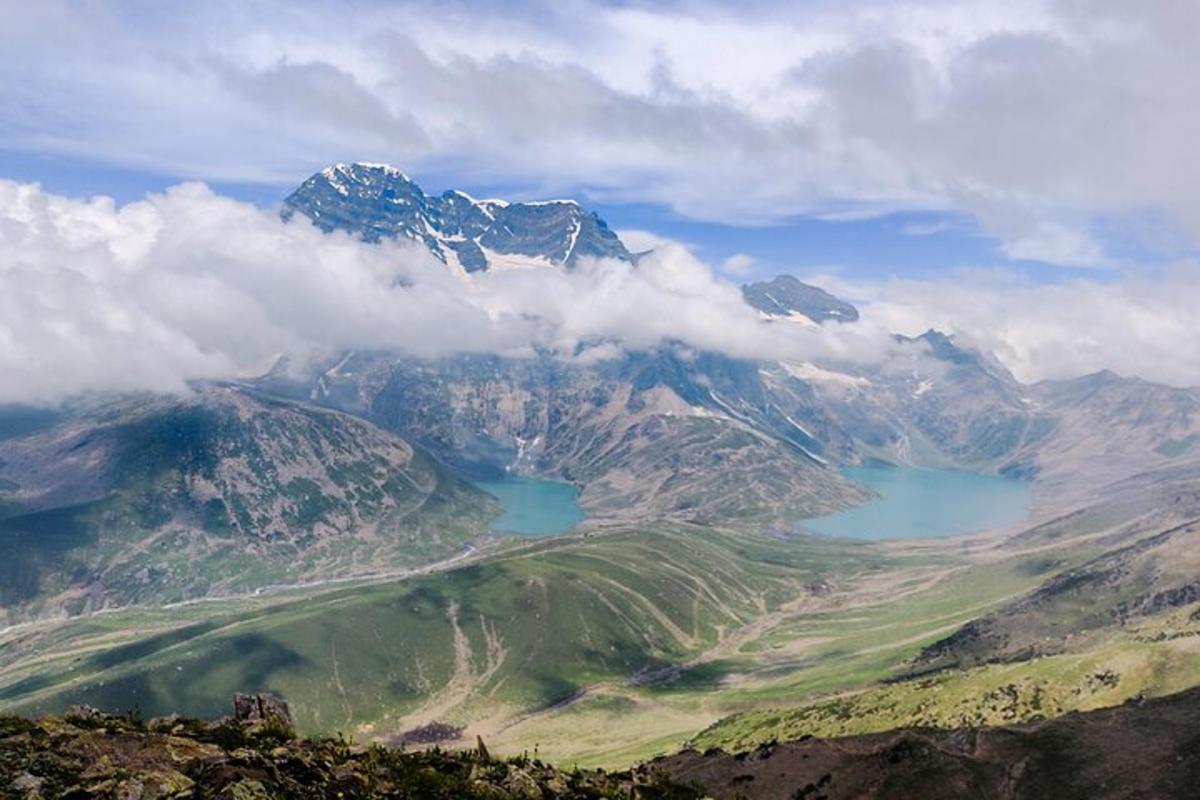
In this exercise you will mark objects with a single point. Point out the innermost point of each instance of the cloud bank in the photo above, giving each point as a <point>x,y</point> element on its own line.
<point>190,285</point>
<point>1053,122</point>
<point>1144,326</point>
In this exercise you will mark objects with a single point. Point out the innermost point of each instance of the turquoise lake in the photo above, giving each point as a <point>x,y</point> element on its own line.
<point>919,503</point>
<point>535,507</point>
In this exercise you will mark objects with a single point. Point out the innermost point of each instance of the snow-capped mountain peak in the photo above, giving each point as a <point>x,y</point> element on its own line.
<point>377,201</point>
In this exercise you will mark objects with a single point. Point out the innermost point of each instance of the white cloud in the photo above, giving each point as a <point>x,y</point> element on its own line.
<point>925,228</point>
<point>1143,326</point>
<point>188,285</point>
<point>639,241</point>
<point>738,264</point>
<point>1059,244</point>
<point>1039,117</point>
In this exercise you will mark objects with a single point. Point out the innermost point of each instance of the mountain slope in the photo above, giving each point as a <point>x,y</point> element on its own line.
<point>935,402</point>
<point>1140,749</point>
<point>375,201</point>
<point>651,435</point>
<point>480,644</point>
<point>1112,428</point>
<point>1145,563</point>
<point>163,499</point>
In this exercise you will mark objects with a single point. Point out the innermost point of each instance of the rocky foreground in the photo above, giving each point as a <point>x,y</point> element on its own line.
<point>255,755</point>
<point>1143,749</point>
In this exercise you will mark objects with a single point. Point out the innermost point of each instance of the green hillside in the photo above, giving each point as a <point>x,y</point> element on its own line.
<point>606,647</point>
<point>153,500</point>
<point>639,637</point>
<point>513,633</point>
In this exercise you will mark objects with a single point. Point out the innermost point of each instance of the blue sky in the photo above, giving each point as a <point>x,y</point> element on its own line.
<point>911,244</point>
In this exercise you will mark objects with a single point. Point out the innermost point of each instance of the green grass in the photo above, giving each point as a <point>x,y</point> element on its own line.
<point>558,617</point>
<point>602,649</point>
<point>1159,657</point>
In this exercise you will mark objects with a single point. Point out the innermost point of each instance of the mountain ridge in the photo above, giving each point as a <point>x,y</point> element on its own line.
<point>377,201</point>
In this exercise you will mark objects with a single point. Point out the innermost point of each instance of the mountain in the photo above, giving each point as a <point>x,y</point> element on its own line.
<point>1113,427</point>
<point>1144,564</point>
<point>160,499</point>
<point>968,411</point>
<point>940,402</point>
<point>786,297</point>
<point>935,402</point>
<point>1139,749</point>
<point>374,202</point>
<point>643,436</point>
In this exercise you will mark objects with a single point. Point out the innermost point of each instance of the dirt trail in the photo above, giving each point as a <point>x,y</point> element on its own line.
<point>465,681</point>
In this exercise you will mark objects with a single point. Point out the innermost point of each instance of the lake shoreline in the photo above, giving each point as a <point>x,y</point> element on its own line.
<point>534,507</point>
<point>926,503</point>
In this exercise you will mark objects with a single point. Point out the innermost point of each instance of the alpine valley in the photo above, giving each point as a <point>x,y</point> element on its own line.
<point>320,532</point>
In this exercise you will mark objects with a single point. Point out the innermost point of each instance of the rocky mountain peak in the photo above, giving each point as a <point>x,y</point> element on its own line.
<point>377,201</point>
<point>785,297</point>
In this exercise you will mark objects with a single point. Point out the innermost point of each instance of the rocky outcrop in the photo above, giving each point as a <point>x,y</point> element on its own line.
<point>94,756</point>
<point>264,711</point>
<point>1144,748</point>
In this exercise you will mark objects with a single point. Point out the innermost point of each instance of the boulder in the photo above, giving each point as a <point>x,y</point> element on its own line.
<point>264,708</point>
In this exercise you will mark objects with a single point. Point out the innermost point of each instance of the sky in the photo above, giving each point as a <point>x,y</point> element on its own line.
<point>1021,173</point>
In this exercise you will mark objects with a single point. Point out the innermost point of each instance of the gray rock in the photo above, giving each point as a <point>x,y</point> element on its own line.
<point>28,785</point>
<point>83,713</point>
<point>266,708</point>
